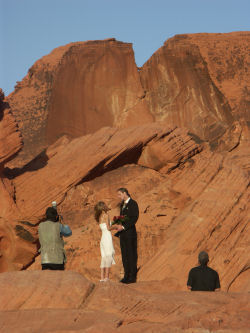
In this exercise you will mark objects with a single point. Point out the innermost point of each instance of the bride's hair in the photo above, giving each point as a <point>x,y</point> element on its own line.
<point>99,208</point>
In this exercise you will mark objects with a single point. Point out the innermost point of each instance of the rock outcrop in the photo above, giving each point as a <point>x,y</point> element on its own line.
<point>227,57</point>
<point>10,145</point>
<point>39,290</point>
<point>81,87</point>
<point>76,90</point>
<point>89,157</point>
<point>181,87</point>
<point>13,247</point>
<point>216,219</point>
<point>200,82</point>
<point>10,136</point>
<point>176,134</point>
<point>67,302</point>
<point>201,204</point>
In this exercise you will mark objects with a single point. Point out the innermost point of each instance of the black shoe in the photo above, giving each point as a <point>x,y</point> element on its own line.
<point>124,280</point>
<point>130,281</point>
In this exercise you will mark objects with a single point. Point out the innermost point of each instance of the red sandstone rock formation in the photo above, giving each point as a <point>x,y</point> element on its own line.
<point>216,219</point>
<point>17,240</point>
<point>201,204</point>
<point>84,159</point>
<point>10,136</point>
<point>81,87</point>
<point>88,157</point>
<point>36,290</point>
<point>78,89</point>
<point>200,82</point>
<point>240,152</point>
<point>190,198</point>
<point>227,57</point>
<point>10,145</point>
<point>67,302</point>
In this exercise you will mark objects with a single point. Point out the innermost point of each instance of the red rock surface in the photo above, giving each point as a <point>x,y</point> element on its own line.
<point>10,136</point>
<point>189,172</point>
<point>228,57</point>
<point>188,82</point>
<point>216,219</point>
<point>18,244</point>
<point>78,89</point>
<point>200,82</point>
<point>13,246</point>
<point>90,156</point>
<point>202,205</point>
<point>67,302</point>
<point>240,153</point>
<point>39,290</point>
<point>86,158</point>
<point>10,145</point>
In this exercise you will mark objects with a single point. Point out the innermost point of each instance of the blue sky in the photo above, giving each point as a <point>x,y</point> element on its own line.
<point>32,28</point>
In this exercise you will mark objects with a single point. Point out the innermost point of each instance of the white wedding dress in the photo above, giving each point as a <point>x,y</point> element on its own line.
<point>106,246</point>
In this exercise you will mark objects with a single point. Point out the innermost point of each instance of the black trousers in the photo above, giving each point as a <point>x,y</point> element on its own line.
<point>129,256</point>
<point>54,267</point>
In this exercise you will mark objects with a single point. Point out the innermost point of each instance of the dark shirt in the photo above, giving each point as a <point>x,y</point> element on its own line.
<point>203,278</point>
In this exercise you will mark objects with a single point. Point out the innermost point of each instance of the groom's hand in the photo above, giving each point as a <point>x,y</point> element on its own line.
<point>120,228</point>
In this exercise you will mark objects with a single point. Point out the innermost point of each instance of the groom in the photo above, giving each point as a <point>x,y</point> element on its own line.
<point>128,235</point>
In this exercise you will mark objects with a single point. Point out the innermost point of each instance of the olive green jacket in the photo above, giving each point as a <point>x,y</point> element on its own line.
<point>52,244</point>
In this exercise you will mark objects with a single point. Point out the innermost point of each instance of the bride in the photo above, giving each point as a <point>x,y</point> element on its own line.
<point>106,243</point>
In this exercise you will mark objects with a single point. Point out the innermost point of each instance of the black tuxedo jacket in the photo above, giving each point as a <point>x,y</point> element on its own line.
<point>130,210</point>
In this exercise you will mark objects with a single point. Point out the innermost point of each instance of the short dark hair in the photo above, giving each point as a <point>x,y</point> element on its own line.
<point>203,258</point>
<point>123,190</point>
<point>51,214</point>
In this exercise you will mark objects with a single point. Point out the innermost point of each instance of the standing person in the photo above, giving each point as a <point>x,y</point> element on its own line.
<point>51,233</point>
<point>203,278</point>
<point>128,235</point>
<point>106,243</point>
<point>54,205</point>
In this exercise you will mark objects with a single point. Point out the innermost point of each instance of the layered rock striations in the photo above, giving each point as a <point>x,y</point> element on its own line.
<point>190,200</point>
<point>10,136</point>
<point>10,145</point>
<point>78,89</point>
<point>215,218</point>
<point>190,82</point>
<point>67,302</point>
<point>15,251</point>
<point>90,156</point>
<point>228,58</point>
<point>200,82</point>
<point>80,111</point>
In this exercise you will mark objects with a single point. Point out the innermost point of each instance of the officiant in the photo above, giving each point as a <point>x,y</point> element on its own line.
<point>128,235</point>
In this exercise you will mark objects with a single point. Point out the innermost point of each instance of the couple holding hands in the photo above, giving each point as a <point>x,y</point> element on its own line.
<point>126,231</point>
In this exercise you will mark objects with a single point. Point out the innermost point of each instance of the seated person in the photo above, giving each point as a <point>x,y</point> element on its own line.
<point>203,278</point>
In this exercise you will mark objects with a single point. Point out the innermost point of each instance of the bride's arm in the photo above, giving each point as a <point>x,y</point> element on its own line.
<point>108,222</point>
